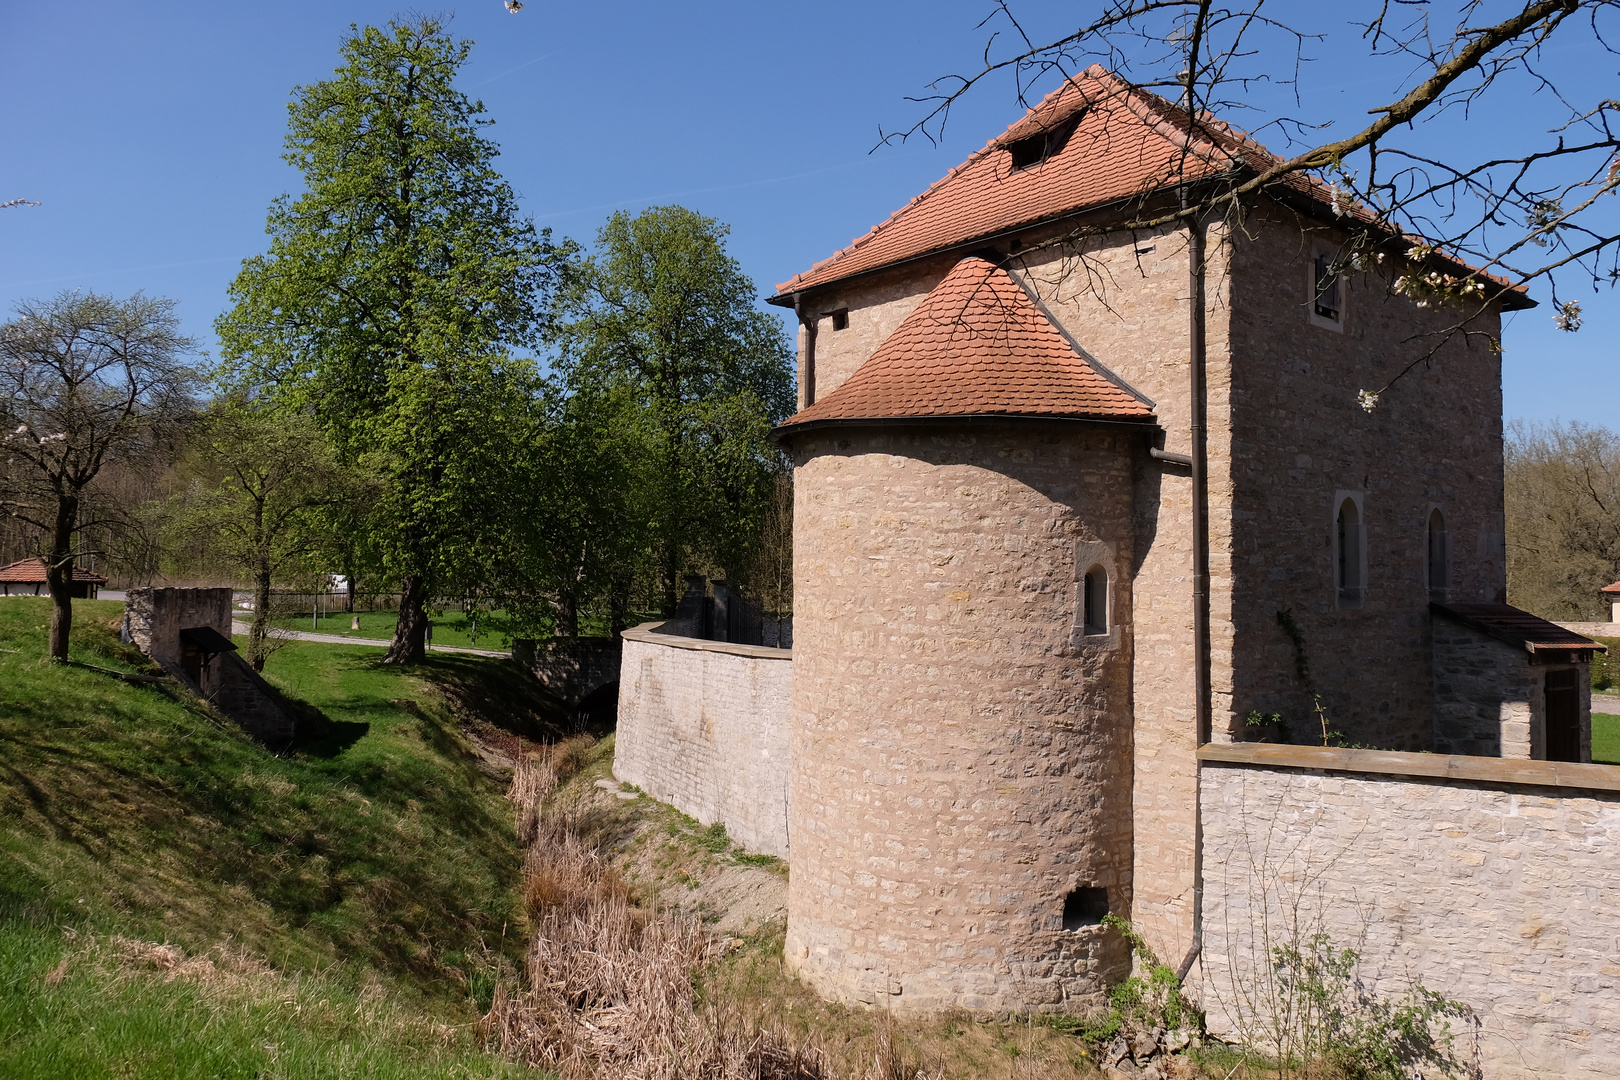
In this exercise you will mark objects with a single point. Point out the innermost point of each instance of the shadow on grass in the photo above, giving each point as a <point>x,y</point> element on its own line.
<point>338,737</point>
<point>499,693</point>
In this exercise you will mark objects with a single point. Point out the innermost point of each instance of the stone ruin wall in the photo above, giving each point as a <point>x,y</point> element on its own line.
<point>961,758</point>
<point>154,618</point>
<point>703,726</point>
<point>1496,885</point>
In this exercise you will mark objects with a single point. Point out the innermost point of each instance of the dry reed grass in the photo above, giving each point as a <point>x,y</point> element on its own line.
<point>610,990</point>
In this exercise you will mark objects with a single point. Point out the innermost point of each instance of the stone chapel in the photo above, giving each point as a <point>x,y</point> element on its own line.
<point>1066,512</point>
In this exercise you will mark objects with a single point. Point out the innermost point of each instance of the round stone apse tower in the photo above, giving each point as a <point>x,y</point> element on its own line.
<point>961,789</point>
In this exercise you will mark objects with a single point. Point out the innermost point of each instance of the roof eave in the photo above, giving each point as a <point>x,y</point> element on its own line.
<point>1513,637</point>
<point>960,247</point>
<point>782,434</point>
<point>1511,299</point>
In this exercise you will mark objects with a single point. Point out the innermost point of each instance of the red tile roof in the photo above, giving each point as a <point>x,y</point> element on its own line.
<point>1126,142</point>
<point>1517,627</point>
<point>29,571</point>
<point>1615,588</point>
<point>979,345</point>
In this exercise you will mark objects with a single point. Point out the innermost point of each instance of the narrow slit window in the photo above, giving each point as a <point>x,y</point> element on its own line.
<point>1084,907</point>
<point>840,319</point>
<point>1349,543</point>
<point>1327,289</point>
<point>1439,563</point>
<point>1095,601</point>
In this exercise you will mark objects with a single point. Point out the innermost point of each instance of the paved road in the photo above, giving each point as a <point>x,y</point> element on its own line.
<point>381,643</point>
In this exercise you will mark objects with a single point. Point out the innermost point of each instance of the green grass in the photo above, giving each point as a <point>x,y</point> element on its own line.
<point>1606,738</point>
<point>451,628</point>
<point>376,871</point>
<point>86,1009</point>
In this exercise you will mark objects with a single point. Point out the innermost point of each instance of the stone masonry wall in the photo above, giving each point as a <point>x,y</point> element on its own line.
<point>703,725</point>
<point>1125,299</point>
<point>1501,891</point>
<point>1487,696</point>
<point>961,754</point>
<point>1434,440</point>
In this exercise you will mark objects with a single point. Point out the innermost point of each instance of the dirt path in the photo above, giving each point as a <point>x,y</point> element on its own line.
<point>381,643</point>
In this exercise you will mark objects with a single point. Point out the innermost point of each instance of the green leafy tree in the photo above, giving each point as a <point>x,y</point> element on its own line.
<point>88,385</point>
<point>581,527</point>
<point>663,311</point>
<point>262,480</point>
<point>393,293</point>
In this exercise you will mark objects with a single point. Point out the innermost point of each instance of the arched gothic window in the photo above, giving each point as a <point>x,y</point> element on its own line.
<point>1350,552</point>
<point>1439,557</point>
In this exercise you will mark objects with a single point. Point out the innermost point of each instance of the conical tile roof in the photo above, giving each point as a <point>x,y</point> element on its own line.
<point>979,345</point>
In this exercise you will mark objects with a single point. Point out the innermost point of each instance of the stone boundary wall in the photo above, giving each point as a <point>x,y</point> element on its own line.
<point>705,726</point>
<point>1495,882</point>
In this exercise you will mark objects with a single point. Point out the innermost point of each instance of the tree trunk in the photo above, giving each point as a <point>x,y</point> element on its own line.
<point>410,635</point>
<point>261,617</point>
<point>568,612</point>
<point>59,575</point>
<point>619,608</point>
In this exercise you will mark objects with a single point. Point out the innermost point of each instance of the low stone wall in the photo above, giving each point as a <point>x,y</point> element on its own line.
<point>1494,882</point>
<point>704,726</point>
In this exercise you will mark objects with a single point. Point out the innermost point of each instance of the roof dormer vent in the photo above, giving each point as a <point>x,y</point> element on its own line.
<point>1031,150</point>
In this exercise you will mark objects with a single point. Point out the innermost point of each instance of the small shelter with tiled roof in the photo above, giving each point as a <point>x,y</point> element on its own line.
<point>26,577</point>
<point>1075,495</point>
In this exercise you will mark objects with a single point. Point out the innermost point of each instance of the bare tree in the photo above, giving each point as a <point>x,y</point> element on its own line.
<point>1563,518</point>
<point>86,381</point>
<point>1523,206</point>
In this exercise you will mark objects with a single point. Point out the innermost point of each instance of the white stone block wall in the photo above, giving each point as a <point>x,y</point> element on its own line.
<point>1489,885</point>
<point>705,727</point>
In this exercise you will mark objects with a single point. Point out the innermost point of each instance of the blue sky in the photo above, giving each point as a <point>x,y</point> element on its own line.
<point>151,132</point>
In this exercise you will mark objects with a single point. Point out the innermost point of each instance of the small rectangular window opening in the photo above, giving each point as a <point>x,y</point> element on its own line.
<point>840,319</point>
<point>1095,601</point>
<point>1084,907</point>
<point>1327,289</point>
<point>1034,149</point>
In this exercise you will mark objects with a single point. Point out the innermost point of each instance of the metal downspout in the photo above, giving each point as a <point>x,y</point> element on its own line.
<point>1198,428</point>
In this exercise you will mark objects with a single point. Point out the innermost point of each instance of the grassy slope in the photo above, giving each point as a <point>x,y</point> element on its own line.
<point>376,872</point>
